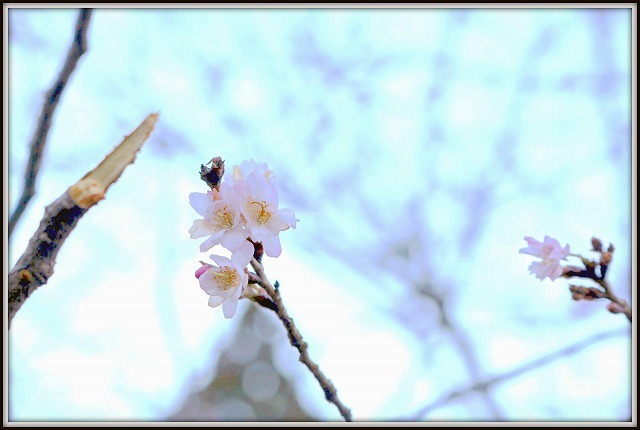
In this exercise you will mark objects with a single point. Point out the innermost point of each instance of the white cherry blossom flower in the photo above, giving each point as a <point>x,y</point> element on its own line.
<point>259,206</point>
<point>222,220</point>
<point>551,252</point>
<point>227,281</point>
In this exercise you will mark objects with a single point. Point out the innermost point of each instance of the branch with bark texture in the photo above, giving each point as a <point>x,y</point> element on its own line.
<point>330,392</point>
<point>518,371</point>
<point>39,140</point>
<point>34,268</point>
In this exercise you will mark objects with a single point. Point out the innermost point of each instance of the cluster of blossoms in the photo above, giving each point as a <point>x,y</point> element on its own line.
<point>550,252</point>
<point>243,212</point>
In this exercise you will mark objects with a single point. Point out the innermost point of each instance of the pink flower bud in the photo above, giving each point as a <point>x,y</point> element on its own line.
<point>201,270</point>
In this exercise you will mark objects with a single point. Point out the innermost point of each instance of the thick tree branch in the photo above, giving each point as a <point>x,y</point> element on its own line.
<point>35,266</point>
<point>77,48</point>
<point>518,371</point>
<point>296,340</point>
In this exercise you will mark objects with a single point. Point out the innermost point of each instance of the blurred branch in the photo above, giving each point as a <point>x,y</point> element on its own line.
<point>464,347</point>
<point>518,371</point>
<point>596,271</point>
<point>35,266</point>
<point>296,340</point>
<point>77,48</point>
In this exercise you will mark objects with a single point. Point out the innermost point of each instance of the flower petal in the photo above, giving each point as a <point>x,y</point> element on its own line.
<point>272,246</point>
<point>215,301</point>
<point>233,239</point>
<point>289,216</point>
<point>208,282</point>
<point>213,240</point>
<point>243,256</point>
<point>200,202</point>
<point>220,260</point>
<point>231,304</point>
<point>201,228</point>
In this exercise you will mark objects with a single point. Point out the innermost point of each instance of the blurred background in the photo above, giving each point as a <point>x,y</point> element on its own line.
<point>417,147</point>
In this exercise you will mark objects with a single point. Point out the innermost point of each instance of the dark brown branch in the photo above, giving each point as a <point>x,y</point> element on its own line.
<point>35,266</point>
<point>296,340</point>
<point>596,271</point>
<point>39,140</point>
<point>518,371</point>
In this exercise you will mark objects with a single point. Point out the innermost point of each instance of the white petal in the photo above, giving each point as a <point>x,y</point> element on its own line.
<point>220,260</point>
<point>215,301</point>
<point>233,239</point>
<point>259,232</point>
<point>272,246</point>
<point>243,256</point>
<point>209,283</point>
<point>213,240</point>
<point>289,216</point>
<point>201,228</point>
<point>255,186</point>
<point>200,202</point>
<point>271,195</point>
<point>229,306</point>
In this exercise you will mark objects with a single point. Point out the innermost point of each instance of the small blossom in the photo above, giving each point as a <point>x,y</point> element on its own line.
<point>550,252</point>
<point>222,220</point>
<point>227,281</point>
<point>259,206</point>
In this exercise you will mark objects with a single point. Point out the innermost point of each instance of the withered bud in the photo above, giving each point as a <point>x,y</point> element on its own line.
<point>610,248</point>
<point>585,293</point>
<point>213,175</point>
<point>606,258</point>
<point>597,244</point>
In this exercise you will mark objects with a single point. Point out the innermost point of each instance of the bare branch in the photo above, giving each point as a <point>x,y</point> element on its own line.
<point>39,140</point>
<point>518,371</point>
<point>296,340</point>
<point>35,266</point>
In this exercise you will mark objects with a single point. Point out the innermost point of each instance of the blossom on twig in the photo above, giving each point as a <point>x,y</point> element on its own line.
<point>550,252</point>
<point>225,282</point>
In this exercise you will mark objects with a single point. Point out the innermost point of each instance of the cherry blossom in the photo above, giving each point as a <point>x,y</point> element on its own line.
<point>551,252</point>
<point>227,281</point>
<point>259,206</point>
<point>222,220</point>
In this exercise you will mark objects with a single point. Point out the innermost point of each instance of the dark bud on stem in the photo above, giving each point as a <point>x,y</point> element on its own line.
<point>213,175</point>
<point>585,293</point>
<point>597,244</point>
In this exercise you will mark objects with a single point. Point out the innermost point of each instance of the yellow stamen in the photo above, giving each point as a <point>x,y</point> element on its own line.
<point>228,277</point>
<point>262,215</point>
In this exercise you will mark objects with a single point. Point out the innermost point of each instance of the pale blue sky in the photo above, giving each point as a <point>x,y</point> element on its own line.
<point>418,147</point>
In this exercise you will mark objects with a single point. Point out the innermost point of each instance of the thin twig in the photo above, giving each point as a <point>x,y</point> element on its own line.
<point>609,294</point>
<point>296,340</point>
<point>589,272</point>
<point>518,371</point>
<point>77,48</point>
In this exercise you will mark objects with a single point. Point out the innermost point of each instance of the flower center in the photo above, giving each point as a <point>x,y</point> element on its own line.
<point>225,219</point>
<point>227,277</point>
<point>260,212</point>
